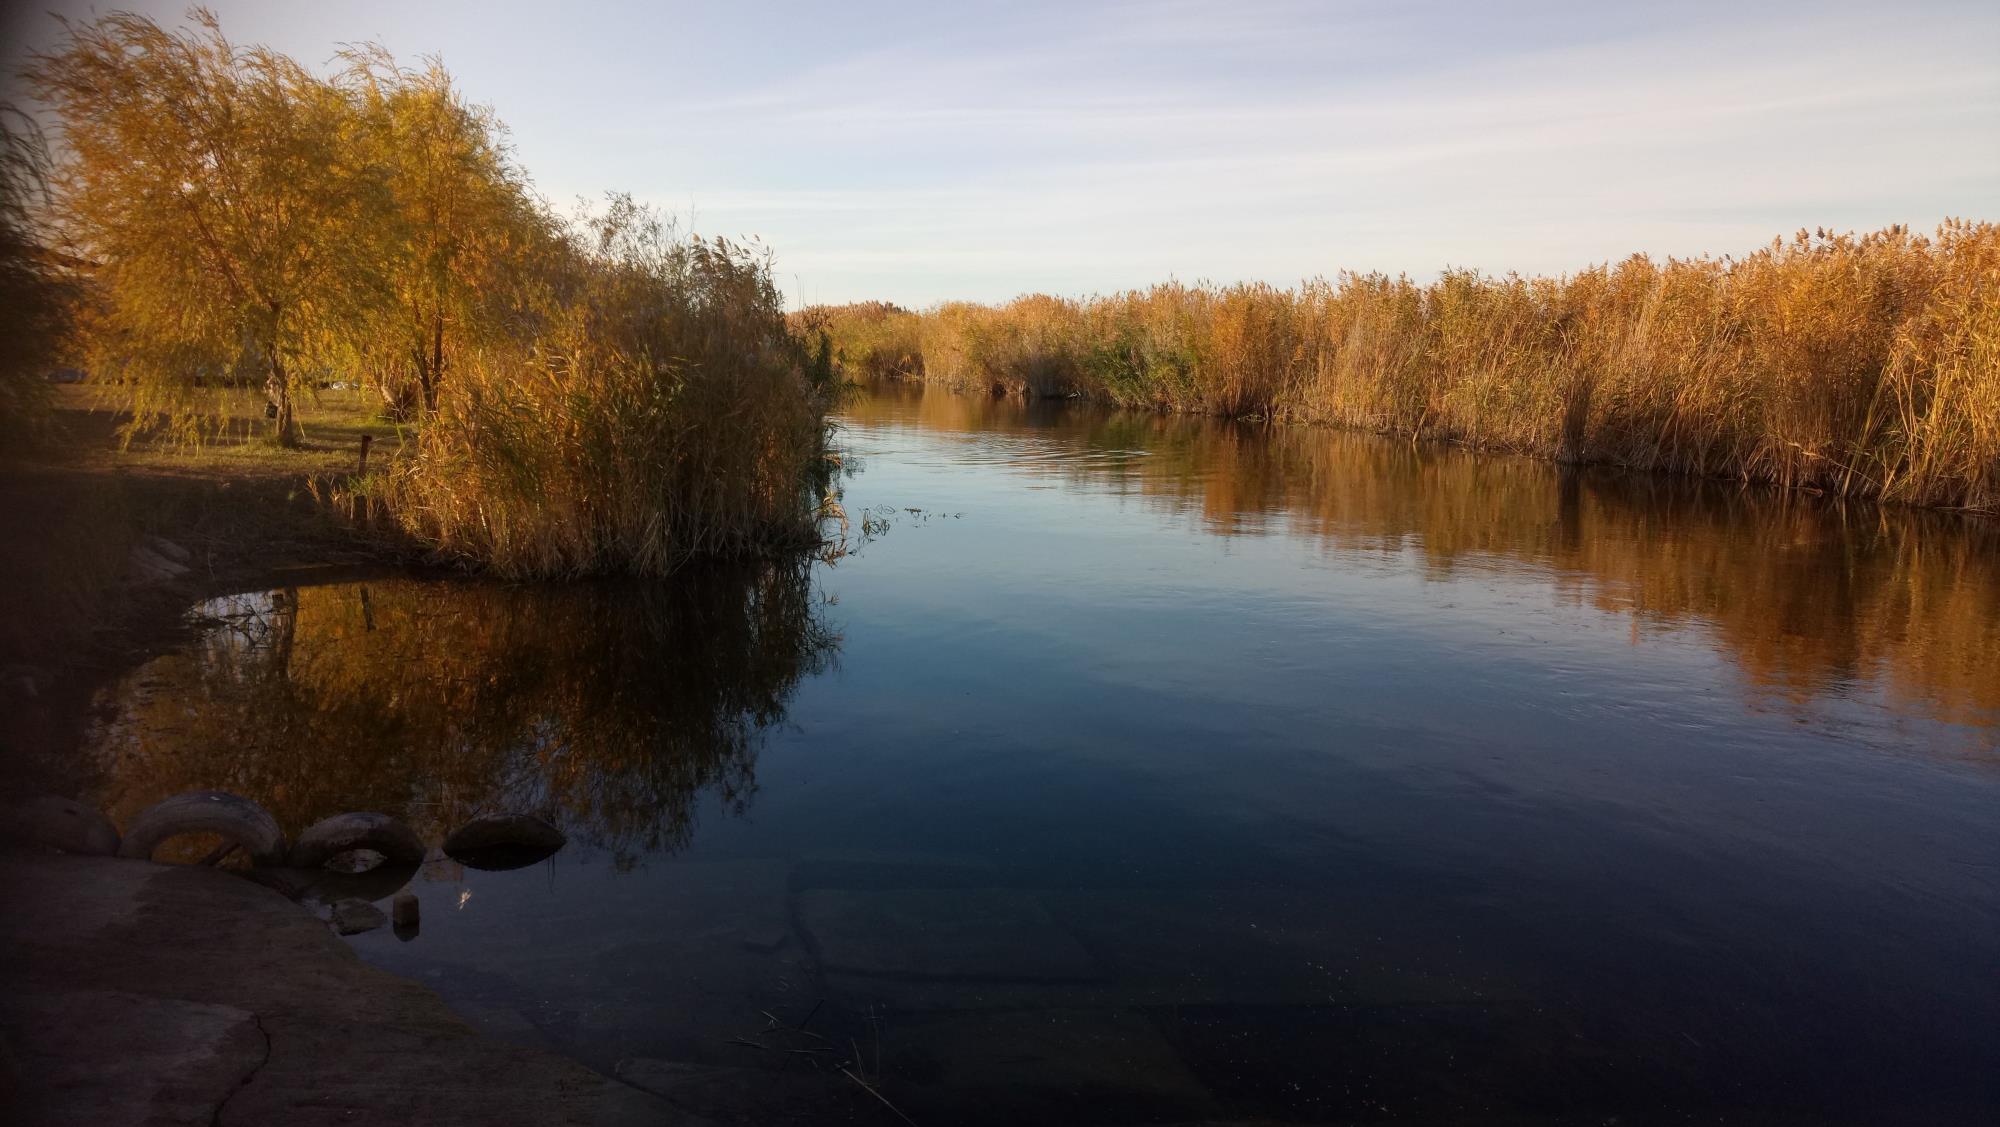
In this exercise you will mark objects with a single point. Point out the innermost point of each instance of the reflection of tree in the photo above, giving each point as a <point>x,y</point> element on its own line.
<point>611,707</point>
<point>1804,596</point>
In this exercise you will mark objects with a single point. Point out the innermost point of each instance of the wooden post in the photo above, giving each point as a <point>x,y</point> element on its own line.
<point>367,440</point>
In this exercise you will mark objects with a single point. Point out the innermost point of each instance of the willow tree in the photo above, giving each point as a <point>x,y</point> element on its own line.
<point>465,226</point>
<point>37,291</point>
<point>227,204</point>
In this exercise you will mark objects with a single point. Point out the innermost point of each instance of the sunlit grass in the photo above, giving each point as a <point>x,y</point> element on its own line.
<point>333,423</point>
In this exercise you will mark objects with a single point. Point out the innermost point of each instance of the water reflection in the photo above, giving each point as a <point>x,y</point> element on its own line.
<point>1806,598</point>
<point>1201,771</point>
<point>610,707</point>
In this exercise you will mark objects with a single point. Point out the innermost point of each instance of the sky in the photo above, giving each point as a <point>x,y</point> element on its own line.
<point>934,151</point>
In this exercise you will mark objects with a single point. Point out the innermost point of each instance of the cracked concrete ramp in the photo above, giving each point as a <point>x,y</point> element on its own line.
<point>134,993</point>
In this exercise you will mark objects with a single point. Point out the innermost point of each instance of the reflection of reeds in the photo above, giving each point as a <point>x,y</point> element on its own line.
<point>1803,594</point>
<point>614,708</point>
<point>1861,365</point>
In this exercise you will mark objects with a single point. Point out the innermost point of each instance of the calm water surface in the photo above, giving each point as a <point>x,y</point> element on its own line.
<point>1129,769</point>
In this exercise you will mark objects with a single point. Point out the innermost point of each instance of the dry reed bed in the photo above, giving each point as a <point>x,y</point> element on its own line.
<point>1864,365</point>
<point>655,408</point>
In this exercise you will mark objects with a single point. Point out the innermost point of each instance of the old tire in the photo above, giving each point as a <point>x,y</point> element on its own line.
<point>61,823</point>
<point>324,886</point>
<point>503,841</point>
<point>379,883</point>
<point>206,811</point>
<point>330,837</point>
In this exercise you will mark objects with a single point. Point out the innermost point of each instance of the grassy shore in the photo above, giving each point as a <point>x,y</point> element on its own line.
<point>1859,365</point>
<point>596,392</point>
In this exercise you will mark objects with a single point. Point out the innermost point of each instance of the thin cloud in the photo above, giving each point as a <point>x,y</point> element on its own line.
<point>924,152</point>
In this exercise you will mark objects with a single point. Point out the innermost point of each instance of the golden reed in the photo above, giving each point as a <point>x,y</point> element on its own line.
<point>1863,365</point>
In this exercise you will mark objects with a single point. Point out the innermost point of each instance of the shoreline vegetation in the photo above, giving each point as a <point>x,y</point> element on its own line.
<point>592,393</point>
<point>600,393</point>
<point>1856,365</point>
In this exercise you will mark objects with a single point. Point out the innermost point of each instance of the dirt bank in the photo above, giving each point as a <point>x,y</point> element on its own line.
<point>141,993</point>
<point>103,547</point>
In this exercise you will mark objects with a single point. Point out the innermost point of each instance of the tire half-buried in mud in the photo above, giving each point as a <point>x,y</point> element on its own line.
<point>503,841</point>
<point>206,811</point>
<point>330,837</point>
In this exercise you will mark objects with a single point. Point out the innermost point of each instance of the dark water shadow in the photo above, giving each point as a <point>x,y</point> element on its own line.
<point>610,708</point>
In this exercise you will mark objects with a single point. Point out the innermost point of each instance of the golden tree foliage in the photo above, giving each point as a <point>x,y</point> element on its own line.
<point>37,294</point>
<point>254,221</point>
<point>225,199</point>
<point>467,232</point>
<point>601,395</point>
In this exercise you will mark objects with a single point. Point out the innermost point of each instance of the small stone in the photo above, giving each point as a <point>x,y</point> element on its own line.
<point>971,933</point>
<point>351,917</point>
<point>404,909</point>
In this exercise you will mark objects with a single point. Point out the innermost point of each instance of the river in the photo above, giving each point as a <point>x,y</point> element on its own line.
<point>1120,768</point>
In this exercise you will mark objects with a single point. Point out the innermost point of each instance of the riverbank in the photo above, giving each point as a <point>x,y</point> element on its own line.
<point>1851,365</point>
<point>111,544</point>
<point>142,993</point>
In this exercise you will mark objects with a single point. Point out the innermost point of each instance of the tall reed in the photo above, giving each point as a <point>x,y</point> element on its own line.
<point>655,408</point>
<point>879,340</point>
<point>1864,365</point>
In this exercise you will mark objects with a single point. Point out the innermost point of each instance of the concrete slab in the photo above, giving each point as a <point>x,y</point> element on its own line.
<point>980,933</point>
<point>701,904</point>
<point>1037,1066</point>
<point>107,964</point>
<point>754,1097</point>
<point>106,1056</point>
<point>864,992</point>
<point>1271,947</point>
<point>878,868</point>
<point>1241,947</point>
<point>668,962</point>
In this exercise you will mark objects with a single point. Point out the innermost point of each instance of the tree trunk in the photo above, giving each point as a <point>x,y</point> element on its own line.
<point>434,371</point>
<point>280,391</point>
<point>285,618</point>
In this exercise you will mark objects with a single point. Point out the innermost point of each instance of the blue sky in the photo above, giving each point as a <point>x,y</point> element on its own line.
<point>919,152</point>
